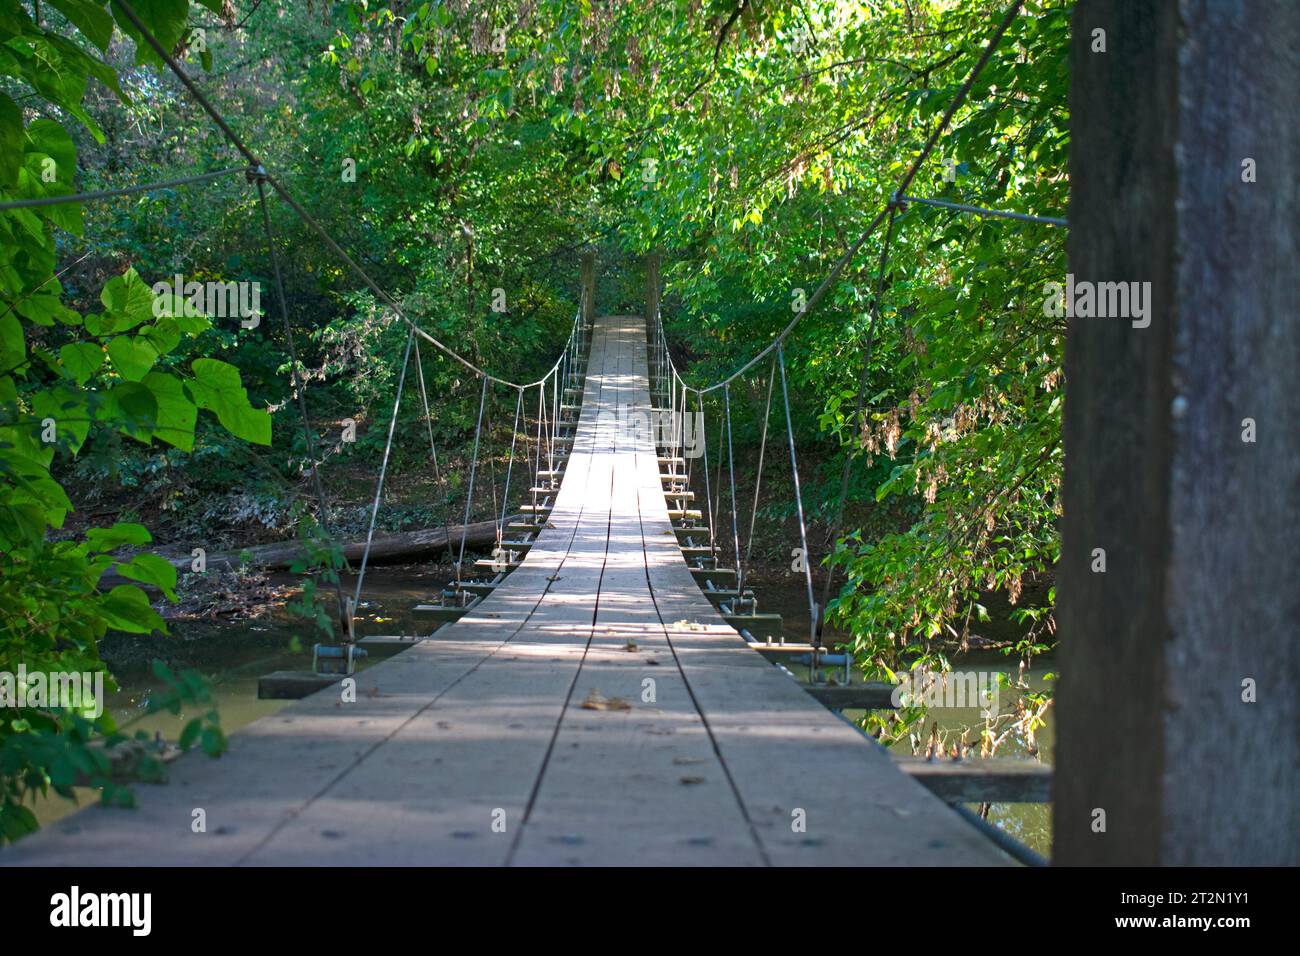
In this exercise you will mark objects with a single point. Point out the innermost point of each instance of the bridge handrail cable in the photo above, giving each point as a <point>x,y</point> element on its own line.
<point>257,171</point>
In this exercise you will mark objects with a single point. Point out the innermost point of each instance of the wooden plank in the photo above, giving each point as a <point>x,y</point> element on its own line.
<point>995,779</point>
<point>758,625</point>
<point>638,783</point>
<point>374,642</point>
<point>876,695</point>
<point>293,685</point>
<point>440,613</point>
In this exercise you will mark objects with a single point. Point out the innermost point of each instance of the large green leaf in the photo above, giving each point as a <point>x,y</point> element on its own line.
<point>126,608</point>
<point>81,360</point>
<point>128,302</point>
<point>90,18</point>
<point>49,169</point>
<point>132,355</point>
<point>13,347</point>
<point>70,413</point>
<point>151,569</point>
<point>121,533</point>
<point>164,335</point>
<point>45,307</point>
<point>132,409</point>
<point>11,141</point>
<point>176,413</point>
<point>165,19</point>
<point>216,387</point>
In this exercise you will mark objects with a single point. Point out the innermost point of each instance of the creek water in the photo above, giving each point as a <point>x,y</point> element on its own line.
<point>234,654</point>
<point>1030,823</point>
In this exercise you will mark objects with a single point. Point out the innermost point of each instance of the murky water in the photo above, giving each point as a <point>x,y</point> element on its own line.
<point>234,654</point>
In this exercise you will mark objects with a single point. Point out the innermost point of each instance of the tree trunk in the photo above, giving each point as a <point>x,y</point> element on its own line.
<point>427,543</point>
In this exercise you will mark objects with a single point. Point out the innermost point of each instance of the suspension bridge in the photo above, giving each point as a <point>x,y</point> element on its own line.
<point>601,690</point>
<point>589,705</point>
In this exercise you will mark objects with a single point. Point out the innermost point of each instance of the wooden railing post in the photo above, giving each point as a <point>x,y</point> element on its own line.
<point>1177,706</point>
<point>588,287</point>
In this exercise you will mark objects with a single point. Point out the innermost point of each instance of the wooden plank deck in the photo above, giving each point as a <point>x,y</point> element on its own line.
<point>593,709</point>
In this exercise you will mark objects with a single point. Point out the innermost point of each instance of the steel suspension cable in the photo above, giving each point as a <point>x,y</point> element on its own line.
<point>473,469</point>
<point>532,477</point>
<point>299,387</point>
<point>704,467</point>
<point>510,464</point>
<point>383,468</point>
<point>121,191</point>
<point>717,504</point>
<point>555,408</point>
<point>815,636</point>
<point>683,408</point>
<point>492,464</point>
<point>548,430</point>
<point>433,451</point>
<point>731,473</point>
<point>541,414</point>
<point>981,211</point>
<point>758,482</point>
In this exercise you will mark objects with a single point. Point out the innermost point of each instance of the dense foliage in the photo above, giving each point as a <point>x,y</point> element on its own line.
<point>66,374</point>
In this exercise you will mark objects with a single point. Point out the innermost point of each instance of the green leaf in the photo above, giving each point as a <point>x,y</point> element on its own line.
<point>90,18</point>
<point>47,137</point>
<point>216,387</point>
<point>70,413</point>
<point>214,741</point>
<point>128,301</point>
<point>126,608</point>
<point>44,308</point>
<point>121,533</point>
<point>11,141</point>
<point>162,671</point>
<point>81,360</point>
<point>132,408</point>
<point>164,335</point>
<point>132,356</point>
<point>151,569</point>
<point>165,19</point>
<point>13,347</point>
<point>176,413</point>
<point>192,324</point>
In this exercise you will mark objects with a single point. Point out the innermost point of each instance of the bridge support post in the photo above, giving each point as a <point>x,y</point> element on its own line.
<point>1177,709</point>
<point>588,287</point>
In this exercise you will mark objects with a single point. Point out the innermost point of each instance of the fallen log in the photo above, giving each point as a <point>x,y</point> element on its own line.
<point>384,549</point>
